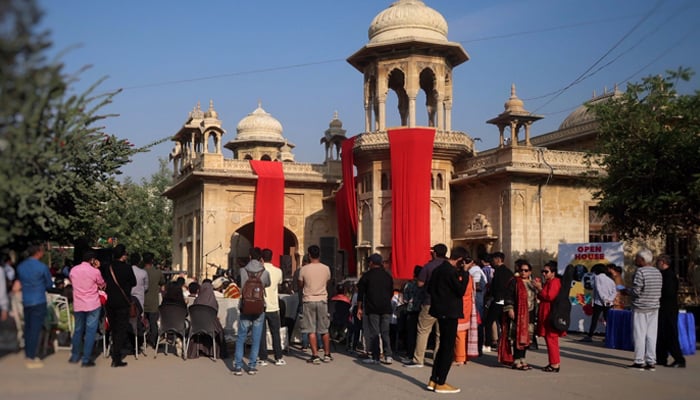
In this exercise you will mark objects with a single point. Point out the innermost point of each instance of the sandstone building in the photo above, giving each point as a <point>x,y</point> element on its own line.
<point>524,196</point>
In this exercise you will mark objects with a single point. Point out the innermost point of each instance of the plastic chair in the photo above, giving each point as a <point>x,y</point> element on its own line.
<point>173,320</point>
<point>202,319</point>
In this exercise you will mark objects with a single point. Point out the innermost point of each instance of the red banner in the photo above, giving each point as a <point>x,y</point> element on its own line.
<point>269,207</point>
<point>411,152</point>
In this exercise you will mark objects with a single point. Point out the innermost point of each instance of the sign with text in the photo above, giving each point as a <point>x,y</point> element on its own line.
<point>583,256</point>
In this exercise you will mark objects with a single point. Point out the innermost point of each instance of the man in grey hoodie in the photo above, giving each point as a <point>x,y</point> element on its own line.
<point>245,322</point>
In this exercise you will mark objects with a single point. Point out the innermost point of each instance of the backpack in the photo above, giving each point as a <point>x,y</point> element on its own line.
<point>560,313</point>
<point>253,294</point>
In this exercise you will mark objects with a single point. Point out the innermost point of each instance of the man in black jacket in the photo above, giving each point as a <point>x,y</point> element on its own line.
<point>375,289</point>
<point>118,300</point>
<point>667,339</point>
<point>446,288</point>
<point>497,292</point>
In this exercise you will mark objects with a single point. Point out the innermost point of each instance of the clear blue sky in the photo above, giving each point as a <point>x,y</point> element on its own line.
<point>291,56</point>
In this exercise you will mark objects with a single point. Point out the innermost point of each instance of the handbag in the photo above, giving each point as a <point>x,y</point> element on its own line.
<point>133,309</point>
<point>8,335</point>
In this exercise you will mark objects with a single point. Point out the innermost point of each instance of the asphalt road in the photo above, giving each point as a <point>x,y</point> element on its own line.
<point>588,371</point>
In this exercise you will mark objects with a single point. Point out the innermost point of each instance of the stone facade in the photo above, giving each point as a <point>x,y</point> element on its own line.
<point>528,194</point>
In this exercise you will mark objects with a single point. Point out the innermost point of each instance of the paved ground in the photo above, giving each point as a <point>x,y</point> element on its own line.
<point>589,371</point>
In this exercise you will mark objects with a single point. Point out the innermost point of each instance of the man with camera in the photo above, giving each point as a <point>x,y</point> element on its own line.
<point>446,288</point>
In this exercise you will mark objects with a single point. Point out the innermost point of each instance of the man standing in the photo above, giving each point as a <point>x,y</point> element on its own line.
<point>86,280</point>
<point>667,340</point>
<point>35,278</point>
<point>646,292</point>
<point>497,292</point>
<point>425,320</point>
<point>375,290</point>
<point>247,322</point>
<point>446,288</point>
<point>119,278</point>
<point>272,311</point>
<point>313,280</point>
<point>150,301</point>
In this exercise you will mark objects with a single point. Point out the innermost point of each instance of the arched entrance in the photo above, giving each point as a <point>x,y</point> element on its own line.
<point>242,241</point>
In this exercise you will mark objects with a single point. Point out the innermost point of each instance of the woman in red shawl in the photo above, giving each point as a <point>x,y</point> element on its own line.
<point>519,315</point>
<point>548,293</point>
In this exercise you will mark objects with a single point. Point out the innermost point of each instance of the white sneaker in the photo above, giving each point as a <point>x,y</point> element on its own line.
<point>280,362</point>
<point>178,347</point>
<point>387,360</point>
<point>485,349</point>
<point>263,363</point>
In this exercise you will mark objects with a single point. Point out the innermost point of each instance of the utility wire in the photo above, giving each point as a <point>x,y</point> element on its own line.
<point>640,41</point>
<point>600,59</point>
<point>302,65</point>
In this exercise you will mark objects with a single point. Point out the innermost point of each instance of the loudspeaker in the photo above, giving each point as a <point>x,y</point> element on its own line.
<point>329,250</point>
<point>286,266</point>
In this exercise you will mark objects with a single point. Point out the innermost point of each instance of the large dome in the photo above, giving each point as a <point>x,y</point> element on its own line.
<point>259,125</point>
<point>582,114</point>
<point>408,19</point>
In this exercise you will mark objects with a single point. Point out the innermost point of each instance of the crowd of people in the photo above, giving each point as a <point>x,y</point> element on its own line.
<point>464,307</point>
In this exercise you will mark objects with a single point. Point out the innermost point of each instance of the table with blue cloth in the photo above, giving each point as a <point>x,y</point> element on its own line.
<point>619,331</point>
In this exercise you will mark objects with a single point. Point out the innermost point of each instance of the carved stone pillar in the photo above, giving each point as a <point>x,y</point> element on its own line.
<point>447,124</point>
<point>514,133</point>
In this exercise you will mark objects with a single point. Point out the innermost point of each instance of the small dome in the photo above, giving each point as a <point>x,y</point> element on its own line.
<point>335,122</point>
<point>514,105</point>
<point>211,113</point>
<point>406,19</point>
<point>259,125</point>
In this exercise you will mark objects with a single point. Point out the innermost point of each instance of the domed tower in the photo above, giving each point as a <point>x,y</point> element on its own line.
<point>514,116</point>
<point>408,53</point>
<point>192,140</point>
<point>259,137</point>
<point>333,138</point>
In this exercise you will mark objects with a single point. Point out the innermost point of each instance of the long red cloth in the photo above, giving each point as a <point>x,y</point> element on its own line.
<point>269,207</point>
<point>411,151</point>
<point>346,206</point>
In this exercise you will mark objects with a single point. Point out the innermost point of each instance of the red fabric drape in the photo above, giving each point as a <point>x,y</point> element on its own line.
<point>346,206</point>
<point>269,207</point>
<point>411,152</point>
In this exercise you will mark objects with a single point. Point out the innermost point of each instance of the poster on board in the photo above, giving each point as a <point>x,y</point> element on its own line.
<point>583,256</point>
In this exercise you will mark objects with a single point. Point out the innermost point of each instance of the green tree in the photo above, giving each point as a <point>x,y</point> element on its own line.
<point>649,144</point>
<point>139,217</point>
<point>57,166</point>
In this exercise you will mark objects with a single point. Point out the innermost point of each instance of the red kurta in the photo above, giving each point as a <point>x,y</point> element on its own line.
<point>547,295</point>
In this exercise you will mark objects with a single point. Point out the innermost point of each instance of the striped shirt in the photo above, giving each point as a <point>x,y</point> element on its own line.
<point>646,289</point>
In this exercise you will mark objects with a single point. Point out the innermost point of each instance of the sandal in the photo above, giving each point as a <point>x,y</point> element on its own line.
<point>521,367</point>
<point>549,368</point>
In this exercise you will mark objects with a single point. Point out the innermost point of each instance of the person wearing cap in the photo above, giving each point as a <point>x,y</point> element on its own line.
<point>425,320</point>
<point>375,289</point>
<point>448,284</point>
<point>86,280</point>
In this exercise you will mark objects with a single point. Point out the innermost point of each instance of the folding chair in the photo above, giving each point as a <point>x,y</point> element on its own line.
<point>173,320</point>
<point>202,319</point>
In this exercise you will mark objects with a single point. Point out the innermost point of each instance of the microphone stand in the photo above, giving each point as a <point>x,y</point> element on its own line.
<point>206,261</point>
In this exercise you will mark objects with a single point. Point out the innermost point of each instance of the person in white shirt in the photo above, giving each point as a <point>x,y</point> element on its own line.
<point>604,293</point>
<point>139,291</point>
<point>272,312</point>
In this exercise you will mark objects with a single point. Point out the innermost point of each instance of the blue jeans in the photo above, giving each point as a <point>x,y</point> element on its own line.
<point>244,324</point>
<point>86,323</point>
<point>33,323</point>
